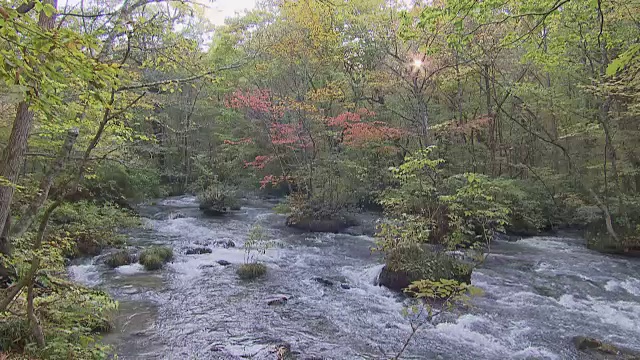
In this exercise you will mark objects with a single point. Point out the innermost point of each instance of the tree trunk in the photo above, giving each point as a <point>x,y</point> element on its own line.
<point>13,155</point>
<point>12,159</point>
<point>45,185</point>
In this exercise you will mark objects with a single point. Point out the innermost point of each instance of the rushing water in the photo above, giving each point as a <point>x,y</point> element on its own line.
<point>538,294</point>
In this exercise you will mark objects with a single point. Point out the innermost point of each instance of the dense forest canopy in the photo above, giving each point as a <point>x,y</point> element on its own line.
<point>458,118</point>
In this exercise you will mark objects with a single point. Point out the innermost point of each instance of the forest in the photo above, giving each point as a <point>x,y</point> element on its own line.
<point>459,121</point>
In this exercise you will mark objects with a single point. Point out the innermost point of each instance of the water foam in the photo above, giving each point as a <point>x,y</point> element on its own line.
<point>130,269</point>
<point>622,314</point>
<point>630,285</point>
<point>461,331</point>
<point>87,274</point>
<point>183,201</point>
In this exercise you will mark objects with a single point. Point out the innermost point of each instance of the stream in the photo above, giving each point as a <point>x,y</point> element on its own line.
<point>538,293</point>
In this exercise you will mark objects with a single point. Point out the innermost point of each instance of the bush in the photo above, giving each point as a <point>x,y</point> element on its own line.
<point>426,206</point>
<point>155,257</point>
<point>15,333</point>
<point>251,271</point>
<point>116,183</point>
<point>317,214</point>
<point>119,258</point>
<point>218,199</point>
<point>89,227</point>
<point>599,239</point>
<point>531,207</point>
<point>71,316</point>
<point>407,264</point>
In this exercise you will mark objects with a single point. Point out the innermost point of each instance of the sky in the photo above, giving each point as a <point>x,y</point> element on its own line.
<point>218,10</point>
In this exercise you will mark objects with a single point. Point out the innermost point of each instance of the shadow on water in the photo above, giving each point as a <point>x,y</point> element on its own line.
<point>539,293</point>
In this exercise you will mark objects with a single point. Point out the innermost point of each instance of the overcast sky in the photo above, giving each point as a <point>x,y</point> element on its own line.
<point>218,10</point>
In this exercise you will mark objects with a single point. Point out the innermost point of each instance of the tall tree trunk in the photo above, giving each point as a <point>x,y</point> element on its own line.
<point>13,155</point>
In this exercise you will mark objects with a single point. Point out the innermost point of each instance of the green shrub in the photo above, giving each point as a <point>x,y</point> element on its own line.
<point>251,271</point>
<point>282,208</point>
<point>152,262</point>
<point>422,264</point>
<point>426,206</point>
<point>15,333</point>
<point>89,227</point>
<point>218,198</point>
<point>71,317</point>
<point>155,257</point>
<point>119,258</point>
<point>117,183</point>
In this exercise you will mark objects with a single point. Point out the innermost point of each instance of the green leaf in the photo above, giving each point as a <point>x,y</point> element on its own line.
<point>49,10</point>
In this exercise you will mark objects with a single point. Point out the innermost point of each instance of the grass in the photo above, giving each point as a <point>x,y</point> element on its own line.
<point>155,257</point>
<point>251,271</point>
<point>119,258</point>
<point>15,333</point>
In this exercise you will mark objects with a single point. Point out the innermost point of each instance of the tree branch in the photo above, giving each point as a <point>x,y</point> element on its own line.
<point>177,81</point>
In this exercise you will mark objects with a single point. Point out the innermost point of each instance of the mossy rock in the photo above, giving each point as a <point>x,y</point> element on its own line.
<point>334,225</point>
<point>251,271</point>
<point>155,257</point>
<point>120,258</point>
<point>405,265</point>
<point>603,350</point>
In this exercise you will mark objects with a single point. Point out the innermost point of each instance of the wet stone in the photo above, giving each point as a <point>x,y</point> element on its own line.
<point>323,281</point>
<point>198,251</point>
<point>225,243</point>
<point>280,300</point>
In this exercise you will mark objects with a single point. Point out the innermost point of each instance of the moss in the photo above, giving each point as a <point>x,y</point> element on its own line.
<point>405,265</point>
<point>119,258</point>
<point>595,346</point>
<point>155,257</point>
<point>251,271</point>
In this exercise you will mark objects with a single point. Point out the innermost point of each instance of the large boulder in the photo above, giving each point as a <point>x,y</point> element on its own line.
<point>405,265</point>
<point>120,258</point>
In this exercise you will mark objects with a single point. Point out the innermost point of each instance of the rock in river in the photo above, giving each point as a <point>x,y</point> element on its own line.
<point>278,300</point>
<point>198,251</point>
<point>225,243</point>
<point>603,350</point>
<point>408,264</point>
<point>223,262</point>
<point>323,281</point>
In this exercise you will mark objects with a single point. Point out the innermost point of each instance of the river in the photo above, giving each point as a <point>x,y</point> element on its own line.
<point>539,293</point>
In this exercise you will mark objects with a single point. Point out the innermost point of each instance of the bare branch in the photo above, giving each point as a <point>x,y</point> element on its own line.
<point>177,81</point>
